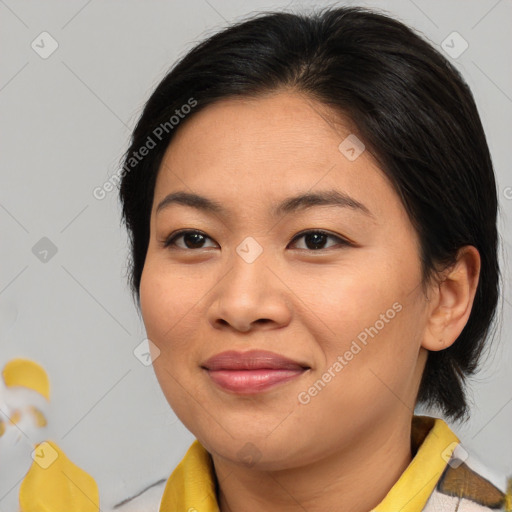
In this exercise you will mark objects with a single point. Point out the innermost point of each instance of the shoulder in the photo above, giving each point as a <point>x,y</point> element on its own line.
<point>467,485</point>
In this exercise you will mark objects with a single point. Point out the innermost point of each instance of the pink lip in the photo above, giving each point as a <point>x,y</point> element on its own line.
<point>252,371</point>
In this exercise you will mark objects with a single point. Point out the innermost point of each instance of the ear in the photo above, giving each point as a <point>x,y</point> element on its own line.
<point>451,300</point>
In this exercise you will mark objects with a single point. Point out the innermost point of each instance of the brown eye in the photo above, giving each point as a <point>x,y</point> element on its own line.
<point>192,239</point>
<point>316,239</point>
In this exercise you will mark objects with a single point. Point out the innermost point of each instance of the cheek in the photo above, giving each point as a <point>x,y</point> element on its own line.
<point>373,319</point>
<point>354,299</point>
<point>168,319</point>
<point>166,304</point>
<point>152,298</point>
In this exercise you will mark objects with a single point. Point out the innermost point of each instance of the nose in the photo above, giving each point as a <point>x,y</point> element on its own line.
<point>250,296</point>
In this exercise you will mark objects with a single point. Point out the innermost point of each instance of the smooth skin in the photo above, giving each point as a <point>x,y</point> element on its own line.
<point>308,302</point>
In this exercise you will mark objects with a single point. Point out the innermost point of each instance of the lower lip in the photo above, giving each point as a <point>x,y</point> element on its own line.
<point>251,381</point>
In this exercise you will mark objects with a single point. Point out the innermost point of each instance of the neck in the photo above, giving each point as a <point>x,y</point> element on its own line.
<point>353,479</point>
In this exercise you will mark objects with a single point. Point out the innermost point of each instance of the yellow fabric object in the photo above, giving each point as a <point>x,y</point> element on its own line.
<point>39,417</point>
<point>191,486</point>
<point>27,373</point>
<point>412,490</point>
<point>508,498</point>
<point>54,484</point>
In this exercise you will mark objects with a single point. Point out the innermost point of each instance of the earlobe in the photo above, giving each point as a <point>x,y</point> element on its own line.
<point>452,300</point>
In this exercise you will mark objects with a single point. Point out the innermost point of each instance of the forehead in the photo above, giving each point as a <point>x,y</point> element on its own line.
<point>246,128</point>
<point>251,150</point>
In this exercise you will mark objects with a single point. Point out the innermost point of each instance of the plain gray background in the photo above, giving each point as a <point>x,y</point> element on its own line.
<point>66,121</point>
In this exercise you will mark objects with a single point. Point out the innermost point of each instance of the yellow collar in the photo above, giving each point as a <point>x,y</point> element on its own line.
<point>191,486</point>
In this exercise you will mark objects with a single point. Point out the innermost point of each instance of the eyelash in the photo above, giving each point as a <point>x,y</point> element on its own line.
<point>170,241</point>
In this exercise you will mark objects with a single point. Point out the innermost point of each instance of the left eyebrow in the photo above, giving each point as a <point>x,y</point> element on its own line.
<point>294,203</point>
<point>322,198</point>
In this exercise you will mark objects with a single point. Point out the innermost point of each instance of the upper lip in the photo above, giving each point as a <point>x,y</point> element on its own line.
<point>251,360</point>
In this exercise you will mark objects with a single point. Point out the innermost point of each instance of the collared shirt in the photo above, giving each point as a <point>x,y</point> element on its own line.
<point>442,477</point>
<point>439,478</point>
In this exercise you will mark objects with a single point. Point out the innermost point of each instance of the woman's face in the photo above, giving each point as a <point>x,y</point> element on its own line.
<point>347,306</point>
